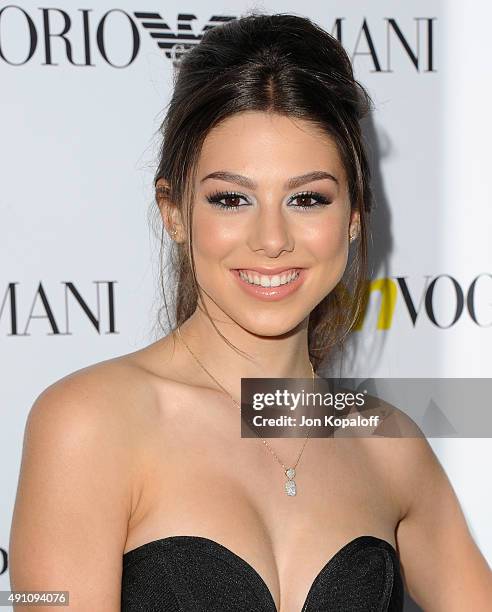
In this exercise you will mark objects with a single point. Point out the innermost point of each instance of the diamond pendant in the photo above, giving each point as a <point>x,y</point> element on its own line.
<point>290,485</point>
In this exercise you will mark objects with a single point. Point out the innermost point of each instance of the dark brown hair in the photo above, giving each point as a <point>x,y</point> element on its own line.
<point>282,64</point>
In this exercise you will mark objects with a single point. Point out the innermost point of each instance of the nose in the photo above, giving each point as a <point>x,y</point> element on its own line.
<point>271,232</point>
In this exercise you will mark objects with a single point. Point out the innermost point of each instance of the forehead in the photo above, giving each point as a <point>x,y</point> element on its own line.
<point>271,145</point>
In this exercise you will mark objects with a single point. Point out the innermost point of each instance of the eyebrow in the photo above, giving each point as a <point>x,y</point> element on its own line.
<point>292,183</point>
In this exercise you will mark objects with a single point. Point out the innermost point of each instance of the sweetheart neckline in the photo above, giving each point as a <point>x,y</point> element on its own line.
<point>367,539</point>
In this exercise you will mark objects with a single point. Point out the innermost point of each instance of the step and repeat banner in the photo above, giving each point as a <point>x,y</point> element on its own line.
<point>83,92</point>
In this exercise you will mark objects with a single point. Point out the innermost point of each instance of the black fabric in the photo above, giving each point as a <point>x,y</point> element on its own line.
<point>196,574</point>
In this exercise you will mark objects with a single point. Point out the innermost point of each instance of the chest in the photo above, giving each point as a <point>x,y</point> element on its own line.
<point>200,478</point>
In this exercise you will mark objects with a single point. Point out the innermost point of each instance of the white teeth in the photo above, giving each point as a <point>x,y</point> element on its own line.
<point>268,281</point>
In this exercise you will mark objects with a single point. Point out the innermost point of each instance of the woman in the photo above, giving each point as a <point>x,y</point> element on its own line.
<point>136,488</point>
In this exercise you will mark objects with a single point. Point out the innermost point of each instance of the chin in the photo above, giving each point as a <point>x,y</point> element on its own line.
<point>271,325</point>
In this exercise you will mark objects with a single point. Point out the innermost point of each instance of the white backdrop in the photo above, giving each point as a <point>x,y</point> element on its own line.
<point>77,158</point>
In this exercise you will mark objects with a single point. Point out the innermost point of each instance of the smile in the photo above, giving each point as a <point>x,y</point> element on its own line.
<point>253,278</point>
<point>270,287</point>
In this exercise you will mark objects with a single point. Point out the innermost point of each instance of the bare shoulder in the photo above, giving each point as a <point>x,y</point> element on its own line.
<point>405,448</point>
<point>401,450</point>
<point>112,404</point>
<point>443,567</point>
<point>107,392</point>
<point>78,482</point>
<point>107,403</point>
<point>117,399</point>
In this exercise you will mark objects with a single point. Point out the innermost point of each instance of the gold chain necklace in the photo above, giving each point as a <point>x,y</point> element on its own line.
<point>290,484</point>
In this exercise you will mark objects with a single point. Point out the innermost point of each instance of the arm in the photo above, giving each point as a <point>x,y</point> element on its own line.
<point>74,496</point>
<point>443,567</point>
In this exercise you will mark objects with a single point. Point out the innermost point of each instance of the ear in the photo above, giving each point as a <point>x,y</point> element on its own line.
<point>170,213</point>
<point>354,225</point>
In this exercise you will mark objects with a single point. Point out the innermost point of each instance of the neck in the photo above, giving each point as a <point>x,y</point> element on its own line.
<point>257,356</point>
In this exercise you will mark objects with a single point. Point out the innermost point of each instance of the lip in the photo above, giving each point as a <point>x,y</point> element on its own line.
<point>271,271</point>
<point>270,294</point>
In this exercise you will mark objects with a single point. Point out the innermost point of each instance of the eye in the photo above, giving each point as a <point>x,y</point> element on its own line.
<point>306,196</point>
<point>231,196</point>
<point>230,200</point>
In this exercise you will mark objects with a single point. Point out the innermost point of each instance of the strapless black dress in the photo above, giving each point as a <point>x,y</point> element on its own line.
<point>196,574</point>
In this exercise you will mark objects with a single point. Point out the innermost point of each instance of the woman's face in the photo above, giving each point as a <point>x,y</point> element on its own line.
<point>264,224</point>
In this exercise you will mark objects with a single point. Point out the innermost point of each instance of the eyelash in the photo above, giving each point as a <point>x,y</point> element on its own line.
<point>215,198</point>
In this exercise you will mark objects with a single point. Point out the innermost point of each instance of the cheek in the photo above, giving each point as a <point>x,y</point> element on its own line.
<point>329,242</point>
<point>329,248</point>
<point>214,238</point>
